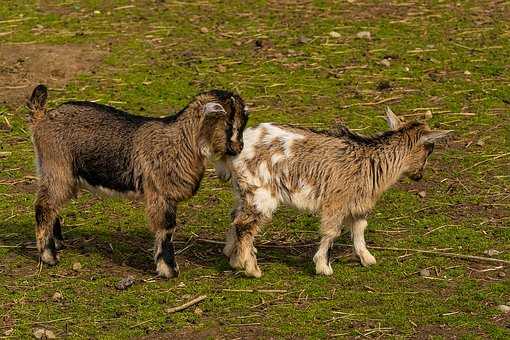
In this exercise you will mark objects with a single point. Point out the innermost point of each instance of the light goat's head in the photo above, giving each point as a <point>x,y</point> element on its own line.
<point>421,140</point>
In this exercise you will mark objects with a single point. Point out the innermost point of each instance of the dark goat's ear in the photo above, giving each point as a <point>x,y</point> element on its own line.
<point>393,121</point>
<point>214,109</point>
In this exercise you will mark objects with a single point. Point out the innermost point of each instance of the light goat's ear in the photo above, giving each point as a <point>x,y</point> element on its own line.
<point>434,136</point>
<point>214,109</point>
<point>393,121</point>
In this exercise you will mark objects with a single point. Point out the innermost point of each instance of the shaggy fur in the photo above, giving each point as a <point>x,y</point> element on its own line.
<point>161,160</point>
<point>340,175</point>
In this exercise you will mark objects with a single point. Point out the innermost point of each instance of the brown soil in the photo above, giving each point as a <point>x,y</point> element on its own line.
<point>24,66</point>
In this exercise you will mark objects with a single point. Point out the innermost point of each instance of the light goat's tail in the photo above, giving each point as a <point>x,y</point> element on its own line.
<point>37,103</point>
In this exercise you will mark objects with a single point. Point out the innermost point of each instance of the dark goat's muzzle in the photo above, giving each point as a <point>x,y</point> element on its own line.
<point>416,177</point>
<point>234,148</point>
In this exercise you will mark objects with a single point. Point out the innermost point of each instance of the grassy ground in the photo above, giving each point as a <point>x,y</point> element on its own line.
<point>151,57</point>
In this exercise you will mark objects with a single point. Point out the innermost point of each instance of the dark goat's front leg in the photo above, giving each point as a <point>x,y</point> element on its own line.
<point>162,213</point>
<point>57,234</point>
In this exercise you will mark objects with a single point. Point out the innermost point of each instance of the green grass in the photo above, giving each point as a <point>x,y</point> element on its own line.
<point>155,58</point>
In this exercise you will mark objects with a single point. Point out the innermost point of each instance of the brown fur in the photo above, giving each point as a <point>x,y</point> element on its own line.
<point>340,175</point>
<point>82,144</point>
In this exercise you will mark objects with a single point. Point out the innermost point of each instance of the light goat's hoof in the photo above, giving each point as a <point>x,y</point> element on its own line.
<point>166,271</point>
<point>323,267</point>
<point>253,271</point>
<point>367,259</point>
<point>49,257</point>
<point>324,270</point>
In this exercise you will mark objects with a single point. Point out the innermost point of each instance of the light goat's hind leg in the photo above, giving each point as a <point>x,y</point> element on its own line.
<point>239,246</point>
<point>358,237</point>
<point>162,221</point>
<point>330,230</point>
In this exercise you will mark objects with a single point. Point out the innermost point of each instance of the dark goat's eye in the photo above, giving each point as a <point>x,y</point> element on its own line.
<point>429,147</point>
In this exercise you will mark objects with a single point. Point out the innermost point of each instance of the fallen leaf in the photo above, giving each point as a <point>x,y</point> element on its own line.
<point>334,34</point>
<point>57,296</point>
<point>204,29</point>
<point>221,68</point>
<point>385,62</point>
<point>422,194</point>
<point>198,311</point>
<point>41,333</point>
<point>76,266</point>
<point>492,252</point>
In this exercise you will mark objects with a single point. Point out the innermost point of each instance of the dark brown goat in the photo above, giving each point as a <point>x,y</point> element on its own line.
<point>83,144</point>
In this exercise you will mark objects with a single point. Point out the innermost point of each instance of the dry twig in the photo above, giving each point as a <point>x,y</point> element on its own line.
<point>186,305</point>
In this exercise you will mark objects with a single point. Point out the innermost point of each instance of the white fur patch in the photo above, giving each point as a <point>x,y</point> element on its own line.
<point>97,189</point>
<point>265,202</point>
<point>303,199</point>
<point>286,137</point>
<point>277,157</point>
<point>251,138</point>
<point>264,174</point>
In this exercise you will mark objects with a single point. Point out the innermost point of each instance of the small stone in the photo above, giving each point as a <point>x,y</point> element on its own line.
<point>492,252</point>
<point>204,29</point>
<point>198,312</point>
<point>41,333</point>
<point>334,34</point>
<point>480,142</point>
<point>238,43</point>
<point>467,73</point>
<point>97,12</point>
<point>364,35</point>
<point>503,308</point>
<point>407,69</point>
<point>425,272</point>
<point>77,266</point>
<point>125,283</point>
<point>383,85</point>
<point>428,114</point>
<point>385,62</point>
<point>303,39</point>
<point>422,194</point>
<point>57,296</point>
<point>221,69</point>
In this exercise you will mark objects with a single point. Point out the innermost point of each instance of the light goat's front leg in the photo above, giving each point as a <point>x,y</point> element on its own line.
<point>239,246</point>
<point>330,230</point>
<point>358,237</point>
<point>162,219</point>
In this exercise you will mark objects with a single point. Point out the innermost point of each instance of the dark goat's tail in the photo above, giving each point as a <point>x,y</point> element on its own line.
<point>37,103</point>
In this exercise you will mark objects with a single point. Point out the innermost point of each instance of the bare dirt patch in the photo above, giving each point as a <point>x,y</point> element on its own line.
<point>24,66</point>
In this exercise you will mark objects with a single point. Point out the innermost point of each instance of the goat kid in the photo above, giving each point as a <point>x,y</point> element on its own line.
<point>161,160</point>
<point>339,175</point>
